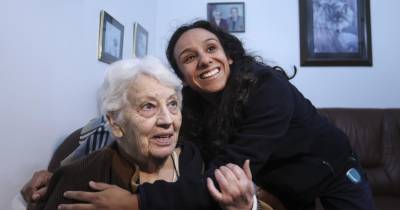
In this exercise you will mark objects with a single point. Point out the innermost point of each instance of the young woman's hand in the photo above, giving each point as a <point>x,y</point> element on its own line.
<point>36,187</point>
<point>108,197</point>
<point>236,187</point>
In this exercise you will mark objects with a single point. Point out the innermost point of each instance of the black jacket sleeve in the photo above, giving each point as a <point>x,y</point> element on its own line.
<point>266,120</point>
<point>189,192</point>
<point>264,126</point>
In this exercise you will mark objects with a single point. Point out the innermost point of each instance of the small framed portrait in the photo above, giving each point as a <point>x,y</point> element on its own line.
<point>335,33</point>
<point>140,40</point>
<point>228,16</point>
<point>111,39</point>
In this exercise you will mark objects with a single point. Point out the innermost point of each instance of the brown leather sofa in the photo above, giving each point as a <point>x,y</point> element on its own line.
<point>373,133</point>
<point>375,137</point>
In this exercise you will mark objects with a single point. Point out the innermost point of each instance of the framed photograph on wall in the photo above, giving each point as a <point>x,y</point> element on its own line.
<point>228,16</point>
<point>140,40</point>
<point>111,38</point>
<point>335,33</point>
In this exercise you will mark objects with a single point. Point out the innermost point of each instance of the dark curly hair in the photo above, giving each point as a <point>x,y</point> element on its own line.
<point>232,98</point>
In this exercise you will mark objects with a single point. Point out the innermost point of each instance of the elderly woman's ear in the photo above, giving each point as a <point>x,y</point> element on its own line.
<point>115,128</point>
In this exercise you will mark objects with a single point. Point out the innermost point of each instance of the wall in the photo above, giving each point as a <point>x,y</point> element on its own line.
<point>50,75</point>
<point>272,31</point>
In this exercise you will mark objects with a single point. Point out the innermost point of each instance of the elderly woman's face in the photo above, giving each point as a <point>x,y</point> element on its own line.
<point>150,120</point>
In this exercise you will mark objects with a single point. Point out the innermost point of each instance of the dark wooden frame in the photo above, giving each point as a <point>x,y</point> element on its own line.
<point>362,56</point>
<point>102,53</point>
<point>137,31</point>
<point>228,5</point>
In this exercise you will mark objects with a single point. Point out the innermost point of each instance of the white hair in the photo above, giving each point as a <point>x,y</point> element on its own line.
<point>118,76</point>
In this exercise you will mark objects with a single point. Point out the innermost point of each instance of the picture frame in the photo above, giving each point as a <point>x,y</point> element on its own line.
<point>335,33</point>
<point>111,38</point>
<point>230,16</point>
<point>140,40</point>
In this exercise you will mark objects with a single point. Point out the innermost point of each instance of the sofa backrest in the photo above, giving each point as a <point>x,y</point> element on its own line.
<point>375,137</point>
<point>66,147</point>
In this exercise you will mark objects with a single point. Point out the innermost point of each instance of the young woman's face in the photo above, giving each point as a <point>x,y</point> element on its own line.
<point>202,60</point>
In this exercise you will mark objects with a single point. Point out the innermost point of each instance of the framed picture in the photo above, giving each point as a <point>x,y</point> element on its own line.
<point>335,33</point>
<point>140,40</point>
<point>228,16</point>
<point>111,38</point>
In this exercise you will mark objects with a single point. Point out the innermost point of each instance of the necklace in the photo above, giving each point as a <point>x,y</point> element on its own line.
<point>139,177</point>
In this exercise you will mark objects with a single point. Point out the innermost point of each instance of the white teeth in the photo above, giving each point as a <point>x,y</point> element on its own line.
<point>162,140</point>
<point>210,73</point>
<point>162,136</point>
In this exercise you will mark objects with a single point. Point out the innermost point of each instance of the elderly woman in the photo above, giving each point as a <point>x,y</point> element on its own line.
<point>142,101</point>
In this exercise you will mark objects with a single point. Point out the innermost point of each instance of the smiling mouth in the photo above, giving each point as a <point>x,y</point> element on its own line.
<point>163,139</point>
<point>210,74</point>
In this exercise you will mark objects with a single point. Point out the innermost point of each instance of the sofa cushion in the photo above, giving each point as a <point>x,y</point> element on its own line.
<point>387,202</point>
<point>375,137</point>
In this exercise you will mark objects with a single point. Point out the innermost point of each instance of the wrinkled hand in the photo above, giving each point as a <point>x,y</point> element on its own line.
<point>36,187</point>
<point>236,187</point>
<point>109,197</point>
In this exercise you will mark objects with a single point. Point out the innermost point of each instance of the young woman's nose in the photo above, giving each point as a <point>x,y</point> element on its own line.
<point>204,60</point>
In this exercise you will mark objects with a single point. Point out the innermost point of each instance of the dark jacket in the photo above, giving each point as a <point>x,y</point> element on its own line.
<point>293,150</point>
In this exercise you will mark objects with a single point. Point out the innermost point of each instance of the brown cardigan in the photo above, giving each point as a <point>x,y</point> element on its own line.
<point>103,166</point>
<point>107,166</point>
